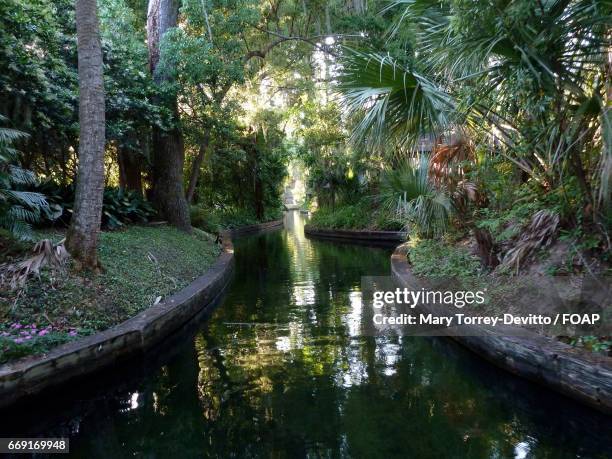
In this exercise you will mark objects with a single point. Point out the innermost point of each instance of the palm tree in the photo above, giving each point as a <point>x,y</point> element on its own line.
<point>82,237</point>
<point>531,74</point>
<point>394,102</point>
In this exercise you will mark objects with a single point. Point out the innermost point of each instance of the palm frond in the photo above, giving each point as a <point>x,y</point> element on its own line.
<point>8,135</point>
<point>18,228</point>
<point>20,176</point>
<point>19,208</point>
<point>44,254</point>
<point>28,198</point>
<point>539,233</point>
<point>396,103</point>
<point>23,214</point>
<point>409,193</point>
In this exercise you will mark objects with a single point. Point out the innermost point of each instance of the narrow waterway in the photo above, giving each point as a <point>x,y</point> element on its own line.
<point>280,370</point>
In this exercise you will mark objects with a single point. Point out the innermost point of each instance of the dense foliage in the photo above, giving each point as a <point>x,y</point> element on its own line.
<point>140,266</point>
<point>19,208</point>
<point>403,114</point>
<point>219,46</point>
<point>510,112</point>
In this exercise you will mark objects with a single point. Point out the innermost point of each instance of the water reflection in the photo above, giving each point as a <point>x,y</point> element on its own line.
<point>281,370</point>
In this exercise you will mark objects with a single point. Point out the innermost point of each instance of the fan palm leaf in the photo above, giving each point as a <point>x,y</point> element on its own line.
<point>409,192</point>
<point>396,103</point>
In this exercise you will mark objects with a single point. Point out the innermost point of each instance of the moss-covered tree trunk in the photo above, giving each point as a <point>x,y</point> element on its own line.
<point>167,150</point>
<point>82,238</point>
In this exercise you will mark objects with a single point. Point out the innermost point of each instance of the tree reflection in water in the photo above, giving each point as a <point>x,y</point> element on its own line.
<point>281,370</point>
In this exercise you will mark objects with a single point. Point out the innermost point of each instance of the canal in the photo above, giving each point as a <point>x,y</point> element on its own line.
<point>280,370</point>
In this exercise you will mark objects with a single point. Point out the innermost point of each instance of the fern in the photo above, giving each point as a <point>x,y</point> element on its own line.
<point>18,208</point>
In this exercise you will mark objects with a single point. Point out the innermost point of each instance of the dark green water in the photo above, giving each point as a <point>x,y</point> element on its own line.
<point>280,371</point>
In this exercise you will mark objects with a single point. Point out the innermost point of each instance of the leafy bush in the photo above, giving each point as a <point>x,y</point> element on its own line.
<point>432,257</point>
<point>362,215</point>
<point>506,224</point>
<point>60,199</point>
<point>121,207</point>
<point>599,344</point>
<point>410,193</point>
<point>118,208</point>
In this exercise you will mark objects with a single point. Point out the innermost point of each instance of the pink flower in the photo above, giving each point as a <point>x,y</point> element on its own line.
<point>72,333</point>
<point>43,332</point>
<point>18,340</point>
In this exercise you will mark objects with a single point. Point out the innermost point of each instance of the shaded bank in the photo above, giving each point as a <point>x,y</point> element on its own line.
<point>281,369</point>
<point>580,374</point>
<point>30,376</point>
<point>378,237</point>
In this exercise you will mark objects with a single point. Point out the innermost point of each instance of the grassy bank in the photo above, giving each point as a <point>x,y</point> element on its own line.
<point>363,215</point>
<point>216,220</point>
<point>140,264</point>
<point>453,259</point>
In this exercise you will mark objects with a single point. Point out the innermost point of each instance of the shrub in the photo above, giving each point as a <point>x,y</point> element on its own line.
<point>432,257</point>
<point>410,193</point>
<point>121,207</point>
<point>365,214</point>
<point>118,208</point>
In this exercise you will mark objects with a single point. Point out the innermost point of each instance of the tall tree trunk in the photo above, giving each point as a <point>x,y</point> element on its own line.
<point>130,170</point>
<point>197,164</point>
<point>82,237</point>
<point>167,150</point>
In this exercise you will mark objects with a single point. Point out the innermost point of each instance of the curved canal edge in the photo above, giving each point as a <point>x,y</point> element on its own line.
<point>581,375</point>
<point>356,235</point>
<point>32,375</point>
<point>253,229</point>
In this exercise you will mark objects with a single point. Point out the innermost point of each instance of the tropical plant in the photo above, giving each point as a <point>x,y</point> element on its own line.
<point>365,213</point>
<point>529,78</point>
<point>18,209</point>
<point>121,207</point>
<point>393,101</point>
<point>409,191</point>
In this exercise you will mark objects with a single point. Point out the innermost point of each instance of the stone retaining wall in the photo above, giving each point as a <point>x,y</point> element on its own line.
<point>32,375</point>
<point>580,374</point>
<point>357,235</point>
